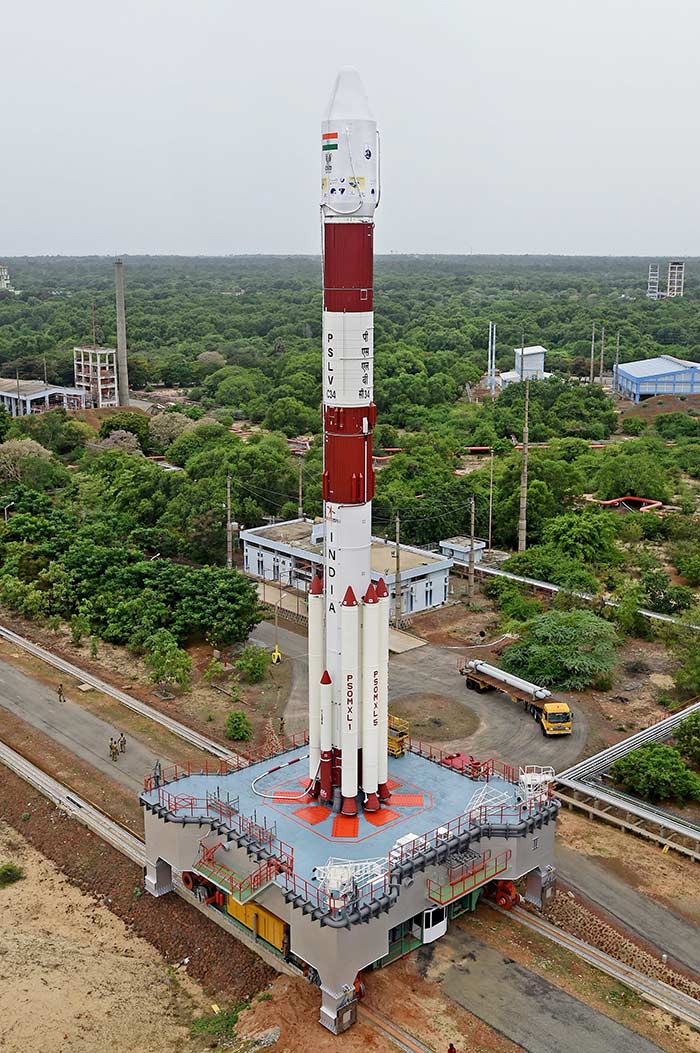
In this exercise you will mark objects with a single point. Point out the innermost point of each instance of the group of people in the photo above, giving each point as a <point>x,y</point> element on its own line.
<point>117,746</point>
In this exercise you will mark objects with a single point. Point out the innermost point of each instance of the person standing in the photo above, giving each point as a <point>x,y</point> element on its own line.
<point>61,694</point>
<point>122,743</point>
<point>113,750</point>
<point>451,1048</point>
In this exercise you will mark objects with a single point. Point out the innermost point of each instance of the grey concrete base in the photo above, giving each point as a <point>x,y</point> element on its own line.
<point>337,1013</point>
<point>159,878</point>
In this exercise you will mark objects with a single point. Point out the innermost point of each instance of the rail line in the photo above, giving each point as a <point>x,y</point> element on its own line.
<point>548,586</point>
<point>392,1031</point>
<point>589,794</point>
<point>174,726</point>
<point>662,995</point>
<point>679,1005</point>
<point>90,815</point>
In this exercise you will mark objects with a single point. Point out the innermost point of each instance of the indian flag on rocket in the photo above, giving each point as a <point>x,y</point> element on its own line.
<point>329,140</point>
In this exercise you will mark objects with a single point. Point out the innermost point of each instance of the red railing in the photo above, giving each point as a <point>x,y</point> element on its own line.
<point>221,765</point>
<point>471,878</point>
<point>185,804</point>
<point>470,767</point>
<point>333,903</point>
<point>240,888</point>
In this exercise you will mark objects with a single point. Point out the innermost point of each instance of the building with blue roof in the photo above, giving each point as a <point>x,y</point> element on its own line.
<point>664,375</point>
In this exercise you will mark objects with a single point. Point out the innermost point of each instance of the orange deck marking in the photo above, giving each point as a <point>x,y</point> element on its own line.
<point>346,826</point>
<point>383,816</point>
<point>313,813</point>
<point>406,800</point>
<point>393,784</point>
<point>290,797</point>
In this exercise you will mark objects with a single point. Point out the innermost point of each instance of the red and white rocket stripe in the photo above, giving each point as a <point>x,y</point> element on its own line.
<point>350,623</point>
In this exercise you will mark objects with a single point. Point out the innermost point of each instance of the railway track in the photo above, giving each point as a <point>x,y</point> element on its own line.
<point>174,726</point>
<point>665,997</point>
<point>588,793</point>
<point>658,993</point>
<point>90,815</point>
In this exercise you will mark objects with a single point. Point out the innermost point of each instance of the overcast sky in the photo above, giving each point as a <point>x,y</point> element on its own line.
<point>164,126</point>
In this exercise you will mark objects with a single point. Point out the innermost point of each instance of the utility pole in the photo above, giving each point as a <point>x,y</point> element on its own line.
<point>522,356</point>
<point>522,521</point>
<point>229,531</point>
<point>592,353</point>
<point>602,353</point>
<point>490,498</point>
<point>397,580</point>
<point>300,501</point>
<point>470,587</point>
<point>122,363</point>
<point>617,360</point>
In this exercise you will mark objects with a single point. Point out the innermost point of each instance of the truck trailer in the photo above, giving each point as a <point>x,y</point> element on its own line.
<point>554,716</point>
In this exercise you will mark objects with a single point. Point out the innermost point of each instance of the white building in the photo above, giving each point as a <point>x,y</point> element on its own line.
<point>5,283</point>
<point>529,365</point>
<point>664,375</point>
<point>95,370</point>
<point>22,397</point>
<point>292,552</point>
<point>457,549</point>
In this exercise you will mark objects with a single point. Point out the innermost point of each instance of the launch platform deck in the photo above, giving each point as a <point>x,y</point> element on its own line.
<point>426,795</point>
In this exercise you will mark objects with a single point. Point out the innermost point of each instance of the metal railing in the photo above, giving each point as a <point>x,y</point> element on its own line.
<point>223,766</point>
<point>473,769</point>
<point>472,878</point>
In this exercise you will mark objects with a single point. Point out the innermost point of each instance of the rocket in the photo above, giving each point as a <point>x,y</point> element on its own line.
<point>348,614</point>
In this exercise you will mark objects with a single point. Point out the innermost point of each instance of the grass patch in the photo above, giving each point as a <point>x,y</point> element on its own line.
<point>9,873</point>
<point>220,1025</point>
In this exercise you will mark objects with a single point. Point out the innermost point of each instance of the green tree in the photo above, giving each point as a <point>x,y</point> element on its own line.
<point>127,420</point>
<point>253,663</point>
<point>168,662</point>
<point>687,738</point>
<point>238,726</point>
<point>566,649</point>
<point>656,772</point>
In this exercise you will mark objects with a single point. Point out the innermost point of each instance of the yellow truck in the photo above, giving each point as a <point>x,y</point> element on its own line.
<point>554,716</point>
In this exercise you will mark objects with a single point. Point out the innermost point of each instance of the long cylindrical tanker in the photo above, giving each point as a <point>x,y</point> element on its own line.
<point>354,666</point>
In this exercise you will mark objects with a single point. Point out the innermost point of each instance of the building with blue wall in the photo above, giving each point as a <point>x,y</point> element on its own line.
<point>664,375</point>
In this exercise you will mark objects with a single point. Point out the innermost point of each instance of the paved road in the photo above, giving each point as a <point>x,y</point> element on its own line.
<point>73,727</point>
<point>504,730</point>
<point>536,1015</point>
<point>657,925</point>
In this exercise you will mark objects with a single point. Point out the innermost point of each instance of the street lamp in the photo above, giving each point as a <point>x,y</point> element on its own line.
<point>6,508</point>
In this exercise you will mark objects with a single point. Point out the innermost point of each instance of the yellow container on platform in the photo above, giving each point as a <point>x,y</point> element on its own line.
<point>267,925</point>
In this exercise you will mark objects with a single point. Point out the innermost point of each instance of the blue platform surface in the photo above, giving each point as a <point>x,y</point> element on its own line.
<point>425,795</point>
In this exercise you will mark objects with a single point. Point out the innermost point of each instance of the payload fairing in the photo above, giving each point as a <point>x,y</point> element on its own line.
<point>348,615</point>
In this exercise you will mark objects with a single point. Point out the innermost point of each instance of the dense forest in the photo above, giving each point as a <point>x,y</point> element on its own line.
<point>103,537</point>
<point>242,333</point>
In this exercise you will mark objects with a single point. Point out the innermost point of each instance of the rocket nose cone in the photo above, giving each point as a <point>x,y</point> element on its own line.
<point>348,99</point>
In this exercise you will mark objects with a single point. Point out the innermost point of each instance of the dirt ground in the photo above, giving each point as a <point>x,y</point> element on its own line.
<point>568,972</point>
<point>74,977</point>
<point>435,718</point>
<point>651,408</point>
<point>459,625</point>
<point>227,971</point>
<point>203,707</point>
<point>653,870</point>
<point>400,993</point>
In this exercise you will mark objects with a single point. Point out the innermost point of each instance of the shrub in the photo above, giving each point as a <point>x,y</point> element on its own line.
<point>9,873</point>
<point>568,649</point>
<point>656,772</point>
<point>687,738</point>
<point>238,726</point>
<point>253,663</point>
<point>214,670</point>
<point>633,426</point>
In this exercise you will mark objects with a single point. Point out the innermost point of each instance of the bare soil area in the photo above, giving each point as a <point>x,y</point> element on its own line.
<point>459,625</point>
<point>569,973</point>
<point>226,969</point>
<point>435,718</point>
<point>74,977</point>
<point>652,408</point>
